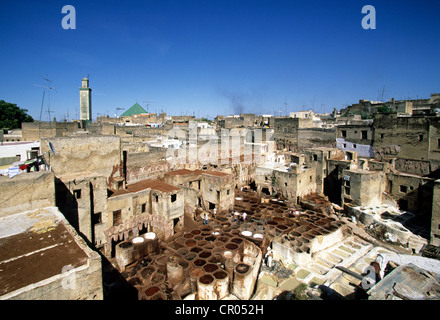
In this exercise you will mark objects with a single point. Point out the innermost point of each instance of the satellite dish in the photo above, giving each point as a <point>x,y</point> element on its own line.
<point>51,147</point>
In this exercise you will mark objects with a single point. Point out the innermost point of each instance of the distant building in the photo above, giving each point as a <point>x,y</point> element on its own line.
<point>85,101</point>
<point>134,110</point>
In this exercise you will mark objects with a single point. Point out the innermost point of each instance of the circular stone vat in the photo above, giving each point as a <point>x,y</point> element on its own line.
<point>151,291</point>
<point>190,243</point>
<point>135,281</point>
<point>206,279</point>
<point>196,249</point>
<point>199,262</point>
<point>236,240</point>
<point>188,235</point>
<point>210,238</point>
<point>246,233</point>
<point>125,245</point>
<point>242,268</point>
<point>182,251</point>
<point>138,240</point>
<point>224,239</point>
<point>147,272</point>
<point>196,232</point>
<point>204,254</point>
<point>210,267</point>
<point>190,256</point>
<point>258,236</point>
<point>150,235</point>
<point>220,274</point>
<point>231,246</point>
<point>227,254</point>
<point>184,265</point>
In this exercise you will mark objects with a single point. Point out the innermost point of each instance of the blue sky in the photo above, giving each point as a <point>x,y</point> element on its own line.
<point>217,57</point>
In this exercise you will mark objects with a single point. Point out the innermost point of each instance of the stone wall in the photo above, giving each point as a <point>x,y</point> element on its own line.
<point>410,135</point>
<point>26,191</point>
<point>316,137</point>
<point>435,221</point>
<point>286,133</point>
<point>413,193</point>
<point>89,153</point>
<point>363,187</point>
<point>34,131</point>
<point>151,164</point>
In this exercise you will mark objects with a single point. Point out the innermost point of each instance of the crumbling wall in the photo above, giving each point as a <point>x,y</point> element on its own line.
<point>79,154</point>
<point>316,137</point>
<point>404,137</point>
<point>146,165</point>
<point>413,193</point>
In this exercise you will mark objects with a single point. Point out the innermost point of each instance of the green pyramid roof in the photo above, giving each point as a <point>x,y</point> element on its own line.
<point>135,109</point>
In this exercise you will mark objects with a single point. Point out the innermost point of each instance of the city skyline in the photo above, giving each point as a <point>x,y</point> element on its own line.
<point>206,58</point>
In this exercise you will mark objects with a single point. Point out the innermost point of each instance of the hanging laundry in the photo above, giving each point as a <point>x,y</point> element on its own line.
<point>13,171</point>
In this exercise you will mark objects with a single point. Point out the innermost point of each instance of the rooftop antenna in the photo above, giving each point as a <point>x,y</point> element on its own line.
<point>285,105</point>
<point>382,94</point>
<point>48,87</point>
<point>147,104</point>
<point>116,113</point>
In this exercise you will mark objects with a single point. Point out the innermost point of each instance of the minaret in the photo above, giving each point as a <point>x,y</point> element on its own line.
<point>85,101</point>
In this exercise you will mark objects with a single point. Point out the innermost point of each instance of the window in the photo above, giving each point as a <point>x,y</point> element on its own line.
<point>157,197</point>
<point>364,134</point>
<point>97,218</point>
<point>315,157</point>
<point>310,178</point>
<point>403,188</point>
<point>345,145</point>
<point>117,217</point>
<point>403,204</point>
<point>144,207</point>
<point>227,192</point>
<point>173,197</point>
<point>285,130</point>
<point>347,190</point>
<point>354,145</point>
<point>344,133</point>
<point>77,194</point>
<point>285,183</point>
<point>382,135</point>
<point>420,137</point>
<point>438,143</point>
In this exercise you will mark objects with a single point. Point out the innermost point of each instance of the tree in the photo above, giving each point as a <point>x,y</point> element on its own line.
<point>11,116</point>
<point>385,109</point>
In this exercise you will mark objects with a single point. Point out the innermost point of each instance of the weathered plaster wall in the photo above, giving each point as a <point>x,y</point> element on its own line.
<point>26,191</point>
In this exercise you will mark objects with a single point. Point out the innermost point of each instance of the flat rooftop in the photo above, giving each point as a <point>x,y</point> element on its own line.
<point>146,184</point>
<point>34,246</point>
<point>184,172</point>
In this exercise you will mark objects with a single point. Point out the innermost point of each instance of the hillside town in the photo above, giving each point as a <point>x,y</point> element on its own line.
<point>152,206</point>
